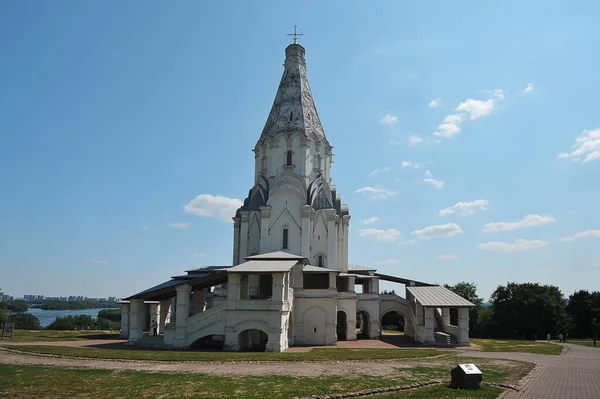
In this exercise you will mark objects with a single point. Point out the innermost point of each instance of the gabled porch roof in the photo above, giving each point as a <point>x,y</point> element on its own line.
<point>438,296</point>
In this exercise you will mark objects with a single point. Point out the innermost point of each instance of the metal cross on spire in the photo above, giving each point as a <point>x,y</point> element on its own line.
<point>295,35</point>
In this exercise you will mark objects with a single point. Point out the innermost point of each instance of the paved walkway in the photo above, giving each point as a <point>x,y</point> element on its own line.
<point>574,374</point>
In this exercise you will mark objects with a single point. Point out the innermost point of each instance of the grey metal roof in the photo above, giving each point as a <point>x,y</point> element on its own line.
<point>317,269</point>
<point>166,284</point>
<point>263,266</point>
<point>278,255</point>
<point>357,267</point>
<point>437,296</point>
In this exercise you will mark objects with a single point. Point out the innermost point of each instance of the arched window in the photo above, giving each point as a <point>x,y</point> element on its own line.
<point>320,261</point>
<point>284,243</point>
<point>288,158</point>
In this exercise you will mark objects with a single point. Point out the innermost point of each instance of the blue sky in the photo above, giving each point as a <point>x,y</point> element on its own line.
<point>115,115</point>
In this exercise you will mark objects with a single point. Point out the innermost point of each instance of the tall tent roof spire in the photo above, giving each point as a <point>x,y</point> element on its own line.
<point>294,109</point>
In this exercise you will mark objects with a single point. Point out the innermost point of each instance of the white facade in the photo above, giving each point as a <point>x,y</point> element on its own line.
<point>290,282</point>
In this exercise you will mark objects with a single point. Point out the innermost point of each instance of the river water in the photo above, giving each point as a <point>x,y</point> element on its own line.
<point>48,316</point>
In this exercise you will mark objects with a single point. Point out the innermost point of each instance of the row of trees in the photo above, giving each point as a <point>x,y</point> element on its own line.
<point>108,319</point>
<point>531,310</point>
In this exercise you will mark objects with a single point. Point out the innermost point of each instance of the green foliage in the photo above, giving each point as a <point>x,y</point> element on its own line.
<point>528,310</point>
<point>469,292</point>
<point>15,306</point>
<point>3,316</point>
<point>84,321</point>
<point>583,307</point>
<point>393,321</point>
<point>25,321</point>
<point>77,305</point>
<point>110,314</point>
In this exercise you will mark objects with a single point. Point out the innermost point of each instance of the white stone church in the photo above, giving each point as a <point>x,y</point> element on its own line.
<point>290,283</point>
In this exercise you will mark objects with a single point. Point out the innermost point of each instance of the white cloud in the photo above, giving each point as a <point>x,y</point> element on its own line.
<point>98,261</point>
<point>529,88</point>
<point>394,142</point>
<point>527,221</point>
<point>596,265</point>
<point>370,220</point>
<point>198,254</point>
<point>376,193</point>
<point>389,120</point>
<point>216,207</point>
<point>583,234</point>
<point>414,139</point>
<point>435,103</point>
<point>389,235</point>
<point>447,257</point>
<point>377,170</point>
<point>465,208</point>
<point>180,225</point>
<point>146,227</point>
<point>406,164</point>
<point>407,242</point>
<point>429,179</point>
<point>390,261</point>
<point>476,108</point>
<point>440,230</point>
<point>518,245</point>
<point>587,146</point>
<point>451,125</point>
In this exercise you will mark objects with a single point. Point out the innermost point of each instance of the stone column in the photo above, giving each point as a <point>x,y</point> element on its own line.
<point>154,315</point>
<point>375,286</point>
<point>244,218</point>
<point>124,320</point>
<point>306,212</point>
<point>174,310</point>
<point>265,218</point>
<point>199,301</point>
<point>344,254</point>
<point>165,308</point>
<point>331,239</point>
<point>233,293</point>
<point>463,326</point>
<point>429,326</point>
<point>236,241</point>
<point>446,316</point>
<point>136,321</point>
<point>183,309</point>
<point>351,280</point>
<point>278,291</point>
<point>333,281</point>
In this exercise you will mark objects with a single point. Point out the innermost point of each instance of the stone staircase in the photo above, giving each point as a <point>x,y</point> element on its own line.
<point>444,339</point>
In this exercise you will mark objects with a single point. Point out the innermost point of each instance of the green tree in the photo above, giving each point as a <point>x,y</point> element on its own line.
<point>110,314</point>
<point>583,307</point>
<point>528,310</point>
<point>3,313</point>
<point>469,292</point>
<point>25,321</point>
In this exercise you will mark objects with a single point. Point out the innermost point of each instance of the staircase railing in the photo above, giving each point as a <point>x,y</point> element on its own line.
<point>206,318</point>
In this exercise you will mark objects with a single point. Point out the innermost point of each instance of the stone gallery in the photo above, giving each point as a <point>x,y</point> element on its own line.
<point>290,283</point>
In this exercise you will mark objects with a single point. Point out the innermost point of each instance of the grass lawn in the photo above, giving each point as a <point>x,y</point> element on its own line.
<point>509,345</point>
<point>314,354</point>
<point>586,342</point>
<point>51,335</point>
<point>18,381</point>
<point>392,332</point>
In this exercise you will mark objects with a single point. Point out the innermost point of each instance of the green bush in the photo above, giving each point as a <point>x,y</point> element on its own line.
<point>110,314</point>
<point>25,321</point>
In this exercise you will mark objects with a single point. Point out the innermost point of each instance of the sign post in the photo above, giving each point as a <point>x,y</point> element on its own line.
<point>8,327</point>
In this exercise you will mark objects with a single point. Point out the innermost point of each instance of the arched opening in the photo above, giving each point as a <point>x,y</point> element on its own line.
<point>288,158</point>
<point>392,322</point>
<point>342,325</point>
<point>362,325</point>
<point>253,340</point>
<point>214,342</point>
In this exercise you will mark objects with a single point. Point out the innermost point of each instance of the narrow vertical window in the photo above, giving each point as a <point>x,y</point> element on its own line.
<point>285,239</point>
<point>288,158</point>
<point>320,260</point>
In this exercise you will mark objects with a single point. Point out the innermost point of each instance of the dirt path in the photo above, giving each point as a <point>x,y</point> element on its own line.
<point>379,368</point>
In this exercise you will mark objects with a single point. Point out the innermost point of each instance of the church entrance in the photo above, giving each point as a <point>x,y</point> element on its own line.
<point>342,326</point>
<point>363,323</point>
<point>253,340</point>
